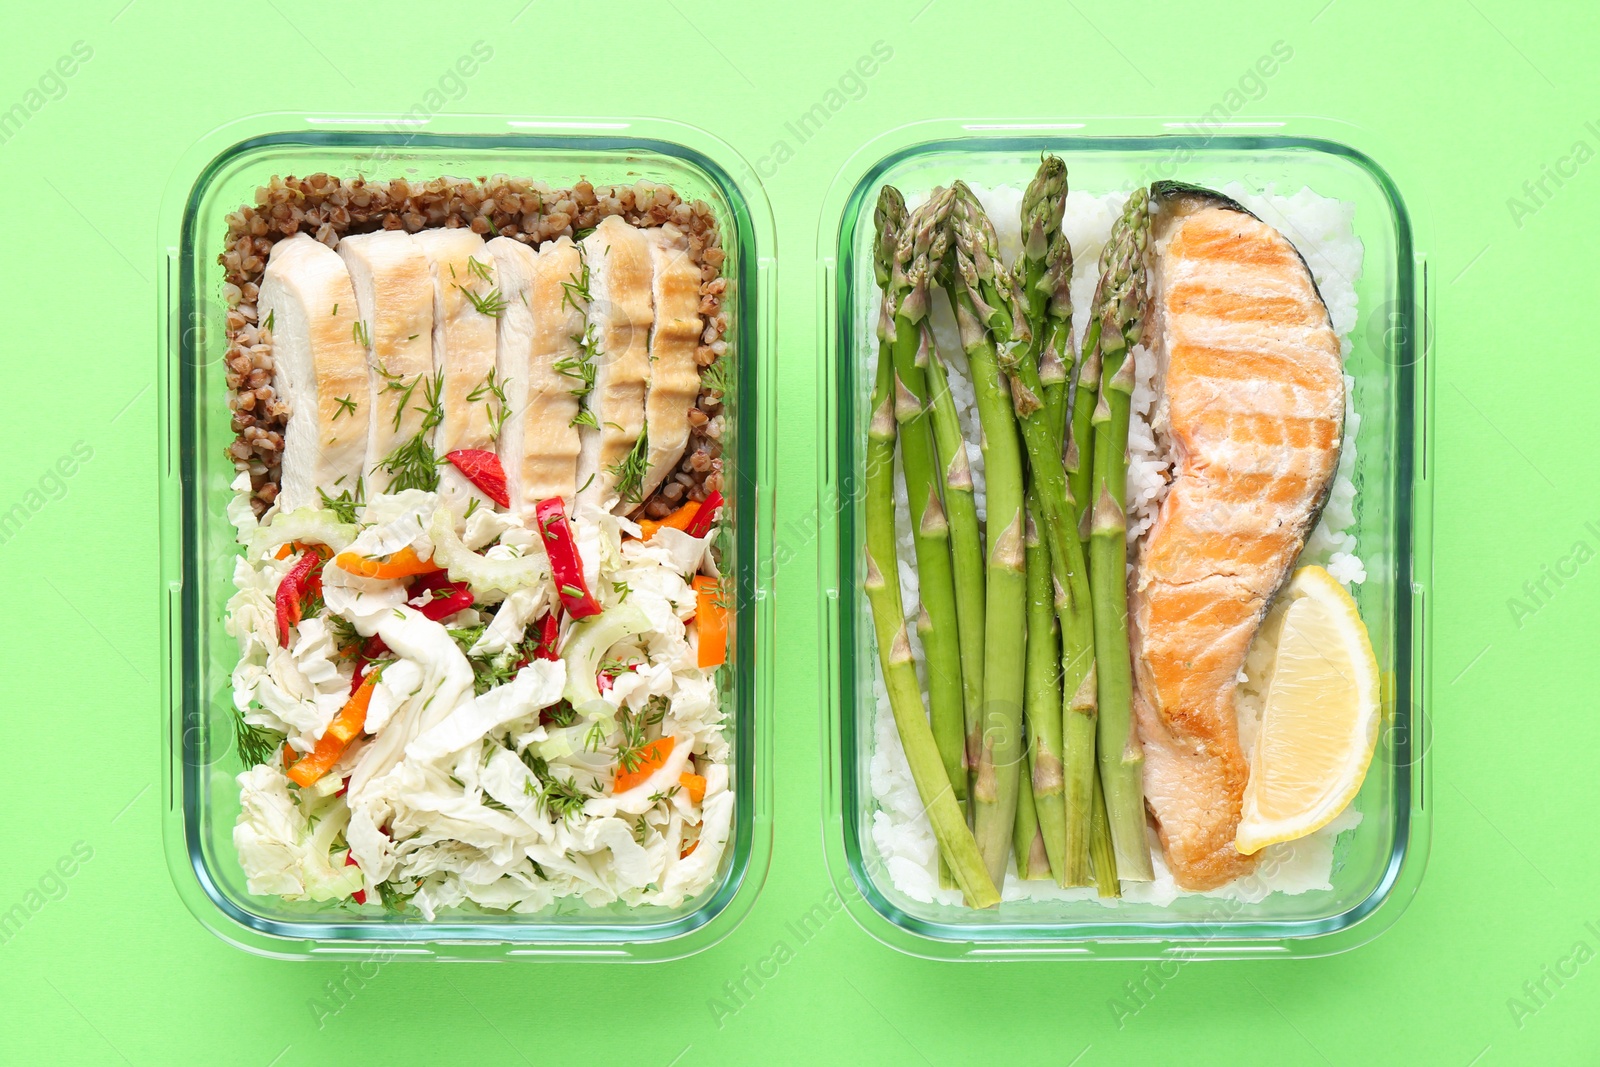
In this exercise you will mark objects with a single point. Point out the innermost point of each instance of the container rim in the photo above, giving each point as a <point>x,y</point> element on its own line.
<point>1410,340</point>
<point>749,225</point>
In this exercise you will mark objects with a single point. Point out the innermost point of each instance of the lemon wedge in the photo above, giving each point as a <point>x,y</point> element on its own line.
<point>1320,716</point>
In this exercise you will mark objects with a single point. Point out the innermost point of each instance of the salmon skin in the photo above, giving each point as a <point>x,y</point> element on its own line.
<point>1251,409</point>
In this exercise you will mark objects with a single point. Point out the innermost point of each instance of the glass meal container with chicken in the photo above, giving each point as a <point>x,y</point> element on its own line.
<point>479,613</point>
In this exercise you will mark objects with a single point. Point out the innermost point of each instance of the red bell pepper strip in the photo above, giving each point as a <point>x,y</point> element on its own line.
<point>549,635</point>
<point>458,598</point>
<point>360,895</point>
<point>482,468</point>
<point>371,649</point>
<point>603,680</point>
<point>292,591</point>
<point>706,516</point>
<point>565,564</point>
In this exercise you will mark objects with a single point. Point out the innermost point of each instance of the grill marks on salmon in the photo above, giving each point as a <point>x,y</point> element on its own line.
<point>320,369</point>
<point>1252,409</point>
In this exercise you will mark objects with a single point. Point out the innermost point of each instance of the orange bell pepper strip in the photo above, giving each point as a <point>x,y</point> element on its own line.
<point>402,564</point>
<point>350,721</point>
<point>651,757</point>
<point>678,520</point>
<point>711,618</point>
<point>695,784</point>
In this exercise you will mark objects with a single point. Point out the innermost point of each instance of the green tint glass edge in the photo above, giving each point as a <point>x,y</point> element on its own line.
<point>192,708</point>
<point>1222,934</point>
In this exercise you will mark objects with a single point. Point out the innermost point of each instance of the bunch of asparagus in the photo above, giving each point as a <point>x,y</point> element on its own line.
<point>1025,745</point>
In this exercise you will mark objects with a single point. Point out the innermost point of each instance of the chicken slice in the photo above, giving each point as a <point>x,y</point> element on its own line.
<point>394,297</point>
<point>320,370</point>
<point>538,357</point>
<point>674,339</point>
<point>466,308</point>
<point>610,468</point>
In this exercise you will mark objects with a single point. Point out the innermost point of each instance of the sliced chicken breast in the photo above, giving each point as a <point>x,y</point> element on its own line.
<point>538,363</point>
<point>467,305</point>
<point>611,469</point>
<point>320,370</point>
<point>674,339</point>
<point>394,297</point>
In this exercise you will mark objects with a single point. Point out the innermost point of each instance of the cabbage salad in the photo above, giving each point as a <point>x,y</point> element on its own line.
<point>441,709</point>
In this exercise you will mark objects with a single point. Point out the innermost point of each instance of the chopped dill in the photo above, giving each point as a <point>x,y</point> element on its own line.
<point>578,288</point>
<point>479,269</point>
<point>394,898</point>
<point>714,379</point>
<point>562,714</point>
<point>491,303</point>
<point>344,505</point>
<point>631,469</point>
<point>562,798</point>
<point>347,406</point>
<point>359,332</point>
<point>255,744</point>
<point>492,388</point>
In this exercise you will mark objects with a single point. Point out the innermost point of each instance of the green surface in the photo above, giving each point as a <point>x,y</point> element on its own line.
<point>1465,102</point>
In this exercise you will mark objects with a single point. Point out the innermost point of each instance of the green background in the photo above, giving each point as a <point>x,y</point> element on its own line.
<point>1464,102</point>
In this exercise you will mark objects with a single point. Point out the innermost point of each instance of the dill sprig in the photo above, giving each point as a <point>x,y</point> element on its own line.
<point>347,406</point>
<point>714,379</point>
<point>393,897</point>
<point>344,505</point>
<point>413,465</point>
<point>491,303</point>
<point>255,744</point>
<point>359,332</point>
<point>479,269</point>
<point>497,390</point>
<point>631,469</point>
<point>562,797</point>
<point>635,727</point>
<point>577,289</point>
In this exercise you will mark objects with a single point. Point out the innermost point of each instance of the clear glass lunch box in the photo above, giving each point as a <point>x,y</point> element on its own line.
<point>1378,865</point>
<point>200,796</point>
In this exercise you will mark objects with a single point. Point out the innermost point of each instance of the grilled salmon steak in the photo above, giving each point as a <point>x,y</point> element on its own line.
<point>1252,414</point>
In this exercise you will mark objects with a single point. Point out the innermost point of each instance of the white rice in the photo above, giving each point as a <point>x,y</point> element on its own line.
<point>1322,230</point>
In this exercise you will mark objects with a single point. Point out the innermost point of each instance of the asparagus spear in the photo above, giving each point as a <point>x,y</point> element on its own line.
<point>1042,691</point>
<point>908,302</point>
<point>971,266</point>
<point>882,587</point>
<point>1062,768</point>
<point>1044,274</point>
<point>1101,849</point>
<point>1080,443</point>
<point>1028,843</point>
<point>1121,312</point>
<point>966,546</point>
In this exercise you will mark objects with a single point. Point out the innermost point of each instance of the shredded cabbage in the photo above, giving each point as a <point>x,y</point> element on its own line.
<point>483,776</point>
